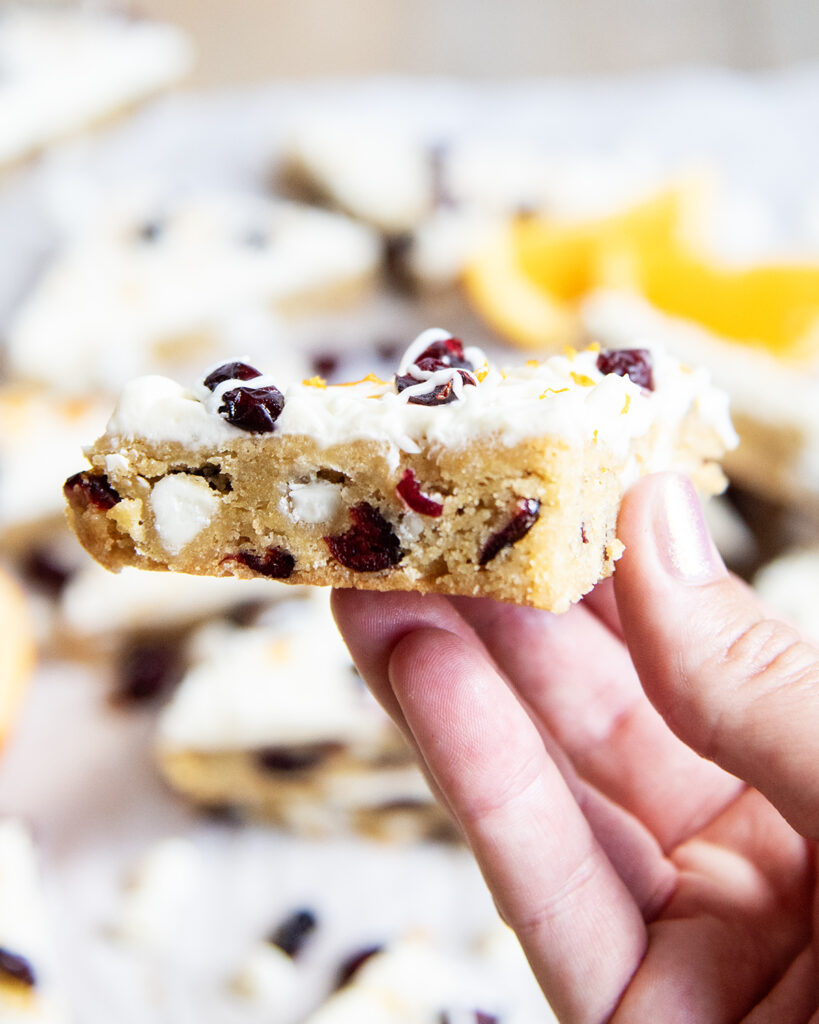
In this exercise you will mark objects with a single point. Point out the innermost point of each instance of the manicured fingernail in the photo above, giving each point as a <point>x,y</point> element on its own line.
<point>683,540</point>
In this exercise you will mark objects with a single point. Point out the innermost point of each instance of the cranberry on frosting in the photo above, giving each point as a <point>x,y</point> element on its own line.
<point>230,371</point>
<point>634,363</point>
<point>436,367</point>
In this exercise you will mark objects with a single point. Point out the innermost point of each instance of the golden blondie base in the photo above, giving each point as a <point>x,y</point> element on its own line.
<point>570,495</point>
<point>313,803</point>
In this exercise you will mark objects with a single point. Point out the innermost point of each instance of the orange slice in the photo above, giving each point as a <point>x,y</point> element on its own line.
<point>775,307</point>
<point>529,275</point>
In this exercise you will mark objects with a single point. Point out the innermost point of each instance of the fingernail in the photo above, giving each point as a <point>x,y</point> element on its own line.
<point>683,540</point>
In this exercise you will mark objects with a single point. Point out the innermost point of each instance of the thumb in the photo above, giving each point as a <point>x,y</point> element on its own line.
<point>738,687</point>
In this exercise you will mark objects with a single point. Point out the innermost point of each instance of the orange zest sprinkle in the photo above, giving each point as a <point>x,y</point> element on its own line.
<point>569,351</point>
<point>315,382</point>
<point>594,436</point>
<point>532,362</point>
<point>552,391</point>
<point>582,379</point>
<point>481,375</point>
<point>626,405</point>
<point>369,379</point>
<point>594,347</point>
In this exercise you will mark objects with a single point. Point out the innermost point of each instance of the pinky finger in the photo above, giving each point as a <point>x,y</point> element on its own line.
<point>581,929</point>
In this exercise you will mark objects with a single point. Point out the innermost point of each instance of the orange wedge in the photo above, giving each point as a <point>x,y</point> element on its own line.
<point>528,276</point>
<point>775,307</point>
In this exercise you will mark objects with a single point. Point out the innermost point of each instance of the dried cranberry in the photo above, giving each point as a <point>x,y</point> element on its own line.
<point>527,511</point>
<point>395,254</point>
<point>91,489</point>
<point>295,759</point>
<point>370,543</point>
<point>293,932</point>
<point>276,563</point>
<point>253,409</point>
<point>230,371</point>
<point>45,572</point>
<point>447,354</point>
<point>16,967</point>
<point>583,535</point>
<point>325,365</point>
<point>353,964</point>
<point>634,363</point>
<point>441,394</point>
<point>148,669</point>
<point>409,489</point>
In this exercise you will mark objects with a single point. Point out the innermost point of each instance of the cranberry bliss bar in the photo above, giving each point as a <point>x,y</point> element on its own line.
<point>454,477</point>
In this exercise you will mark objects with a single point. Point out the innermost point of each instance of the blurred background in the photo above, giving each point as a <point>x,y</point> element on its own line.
<point>203,816</point>
<point>487,40</point>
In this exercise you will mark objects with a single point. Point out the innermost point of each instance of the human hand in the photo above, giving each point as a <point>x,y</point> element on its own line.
<point>638,778</point>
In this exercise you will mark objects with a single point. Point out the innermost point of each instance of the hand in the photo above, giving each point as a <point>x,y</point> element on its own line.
<point>638,778</point>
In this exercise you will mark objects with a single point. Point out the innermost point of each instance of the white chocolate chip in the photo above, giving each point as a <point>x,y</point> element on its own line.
<point>315,502</point>
<point>183,505</point>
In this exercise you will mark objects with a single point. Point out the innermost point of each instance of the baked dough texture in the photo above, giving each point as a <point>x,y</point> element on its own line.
<point>454,478</point>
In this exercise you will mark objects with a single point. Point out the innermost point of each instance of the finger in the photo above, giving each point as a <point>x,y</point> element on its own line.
<point>793,998</point>
<point>580,682</point>
<point>739,917</point>
<point>740,688</point>
<point>373,624</point>
<point>603,603</point>
<point>581,930</point>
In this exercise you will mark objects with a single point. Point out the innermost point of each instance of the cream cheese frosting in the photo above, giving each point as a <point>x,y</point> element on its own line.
<point>25,930</point>
<point>566,397</point>
<point>146,282</point>
<point>63,69</point>
<point>287,681</point>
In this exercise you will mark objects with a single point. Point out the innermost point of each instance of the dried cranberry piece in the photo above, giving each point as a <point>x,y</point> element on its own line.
<point>293,932</point>
<point>253,409</point>
<point>230,371</point>
<point>449,352</point>
<point>325,365</point>
<point>583,535</point>
<point>409,489</point>
<point>16,967</point>
<point>634,363</point>
<point>91,489</point>
<point>295,759</point>
<point>353,964</point>
<point>370,543</point>
<point>46,573</point>
<point>276,563</point>
<point>148,669</point>
<point>442,394</point>
<point>527,512</point>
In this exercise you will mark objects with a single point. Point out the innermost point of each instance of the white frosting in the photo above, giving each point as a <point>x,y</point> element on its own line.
<point>25,930</point>
<point>61,69</point>
<point>289,681</point>
<point>315,502</point>
<point>158,894</point>
<point>565,397</point>
<point>97,604</point>
<point>760,386</point>
<point>270,979</point>
<point>411,982</point>
<point>381,176</point>
<point>40,442</point>
<point>183,505</point>
<point>115,305</point>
